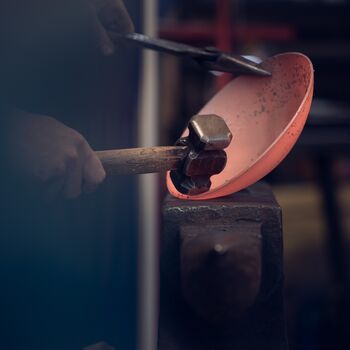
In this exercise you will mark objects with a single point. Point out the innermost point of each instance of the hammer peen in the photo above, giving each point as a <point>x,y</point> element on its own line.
<point>192,161</point>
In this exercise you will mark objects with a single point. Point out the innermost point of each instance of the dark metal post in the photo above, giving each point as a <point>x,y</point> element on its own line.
<point>222,273</point>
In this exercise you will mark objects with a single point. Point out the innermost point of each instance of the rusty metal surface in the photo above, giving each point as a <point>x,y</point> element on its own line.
<point>222,273</point>
<point>207,138</point>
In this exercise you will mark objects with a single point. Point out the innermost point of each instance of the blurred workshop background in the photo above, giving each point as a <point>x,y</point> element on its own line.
<point>312,185</point>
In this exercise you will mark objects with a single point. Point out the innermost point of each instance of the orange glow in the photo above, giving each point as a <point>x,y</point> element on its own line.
<point>266,116</point>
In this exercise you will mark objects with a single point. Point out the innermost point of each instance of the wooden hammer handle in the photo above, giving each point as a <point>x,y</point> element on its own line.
<point>133,161</point>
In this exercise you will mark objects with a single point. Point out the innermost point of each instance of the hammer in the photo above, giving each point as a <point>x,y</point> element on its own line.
<point>192,161</point>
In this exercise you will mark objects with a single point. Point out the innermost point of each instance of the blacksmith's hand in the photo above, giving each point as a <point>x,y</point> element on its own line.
<point>109,15</point>
<point>54,156</point>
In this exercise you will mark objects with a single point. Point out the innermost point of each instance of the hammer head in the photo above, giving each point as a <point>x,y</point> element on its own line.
<point>209,132</point>
<point>208,137</point>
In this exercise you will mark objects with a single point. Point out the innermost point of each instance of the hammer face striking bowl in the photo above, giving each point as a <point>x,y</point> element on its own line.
<point>190,185</point>
<point>208,136</point>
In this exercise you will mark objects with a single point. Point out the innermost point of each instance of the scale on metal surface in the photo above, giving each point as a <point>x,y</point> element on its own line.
<point>266,116</point>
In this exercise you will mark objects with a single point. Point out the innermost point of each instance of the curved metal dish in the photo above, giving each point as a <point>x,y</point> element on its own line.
<point>266,116</point>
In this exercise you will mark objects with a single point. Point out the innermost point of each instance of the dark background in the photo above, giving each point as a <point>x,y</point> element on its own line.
<point>68,268</point>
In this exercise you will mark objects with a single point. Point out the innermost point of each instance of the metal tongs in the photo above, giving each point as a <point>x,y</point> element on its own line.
<point>209,58</point>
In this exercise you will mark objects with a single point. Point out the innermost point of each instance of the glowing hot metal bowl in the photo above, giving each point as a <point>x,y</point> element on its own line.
<point>266,116</point>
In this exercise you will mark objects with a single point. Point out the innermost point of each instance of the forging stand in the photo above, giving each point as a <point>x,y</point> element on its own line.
<point>222,273</point>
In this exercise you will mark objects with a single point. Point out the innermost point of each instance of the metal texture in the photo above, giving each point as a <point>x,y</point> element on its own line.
<point>222,273</point>
<point>221,269</point>
<point>208,136</point>
<point>209,132</point>
<point>208,58</point>
<point>194,176</point>
<point>204,163</point>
